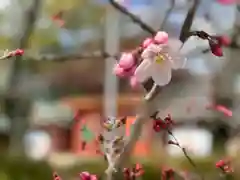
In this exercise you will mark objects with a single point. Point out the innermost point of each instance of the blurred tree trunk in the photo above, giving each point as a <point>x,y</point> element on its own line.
<point>16,106</point>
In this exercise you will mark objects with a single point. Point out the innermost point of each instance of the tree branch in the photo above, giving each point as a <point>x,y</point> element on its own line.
<point>147,108</point>
<point>134,18</point>
<point>187,24</point>
<point>68,57</point>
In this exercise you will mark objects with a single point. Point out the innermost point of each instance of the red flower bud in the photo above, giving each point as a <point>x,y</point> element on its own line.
<point>158,125</point>
<point>224,40</point>
<point>224,165</point>
<point>216,50</point>
<point>18,52</point>
<point>220,163</point>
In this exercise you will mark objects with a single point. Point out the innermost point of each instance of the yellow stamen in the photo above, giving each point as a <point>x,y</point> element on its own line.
<point>159,59</point>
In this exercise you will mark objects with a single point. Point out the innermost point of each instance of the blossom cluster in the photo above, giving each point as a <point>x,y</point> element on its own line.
<point>155,58</point>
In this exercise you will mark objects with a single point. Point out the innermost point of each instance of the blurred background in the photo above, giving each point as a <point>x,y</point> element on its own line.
<point>62,72</point>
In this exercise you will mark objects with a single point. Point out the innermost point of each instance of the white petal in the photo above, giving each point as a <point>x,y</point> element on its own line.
<point>192,44</point>
<point>174,44</point>
<point>151,51</point>
<point>156,47</point>
<point>161,74</point>
<point>143,70</point>
<point>147,53</point>
<point>176,58</point>
<point>177,61</point>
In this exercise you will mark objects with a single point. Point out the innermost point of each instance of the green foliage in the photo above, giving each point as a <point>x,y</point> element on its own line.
<point>23,169</point>
<point>5,42</point>
<point>43,38</point>
<point>152,171</point>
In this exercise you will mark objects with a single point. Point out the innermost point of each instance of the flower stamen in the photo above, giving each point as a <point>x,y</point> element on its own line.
<point>159,58</point>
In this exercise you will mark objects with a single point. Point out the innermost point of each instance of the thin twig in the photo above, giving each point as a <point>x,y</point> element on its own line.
<point>134,18</point>
<point>168,13</point>
<point>62,57</point>
<point>68,57</point>
<point>185,153</point>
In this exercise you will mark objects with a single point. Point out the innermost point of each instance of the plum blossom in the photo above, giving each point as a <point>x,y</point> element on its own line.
<point>127,65</point>
<point>160,38</point>
<point>158,61</point>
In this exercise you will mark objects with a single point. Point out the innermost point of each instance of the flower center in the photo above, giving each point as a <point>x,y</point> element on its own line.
<point>159,58</point>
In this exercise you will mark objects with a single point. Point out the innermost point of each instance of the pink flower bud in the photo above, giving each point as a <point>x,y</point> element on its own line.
<point>161,37</point>
<point>84,175</point>
<point>118,71</point>
<point>147,42</point>
<point>19,52</point>
<point>126,61</point>
<point>94,177</point>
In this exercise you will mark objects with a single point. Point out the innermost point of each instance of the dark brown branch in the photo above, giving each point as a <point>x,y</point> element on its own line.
<point>186,27</point>
<point>134,18</point>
